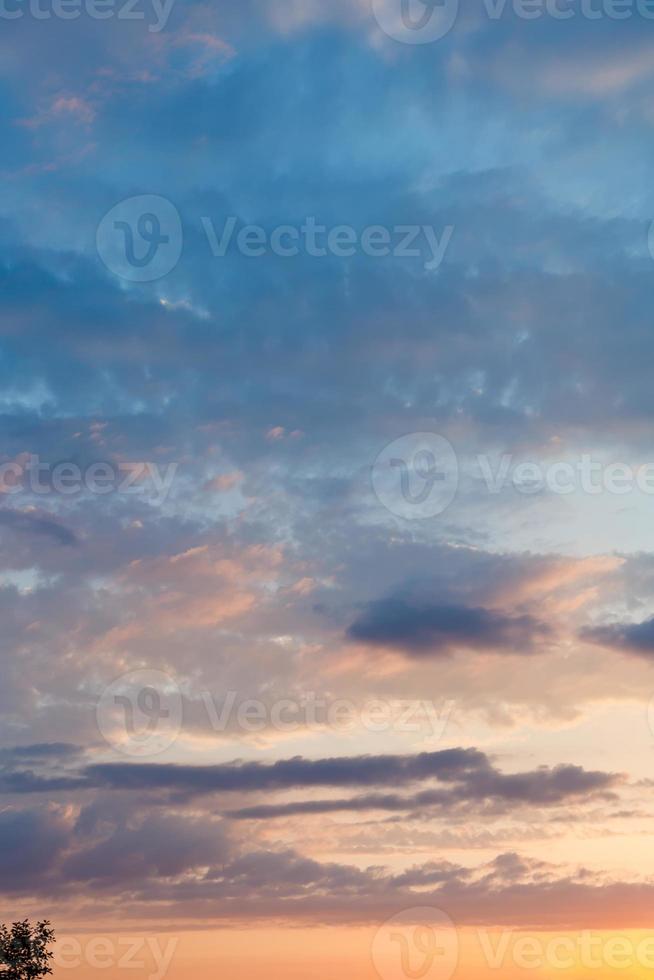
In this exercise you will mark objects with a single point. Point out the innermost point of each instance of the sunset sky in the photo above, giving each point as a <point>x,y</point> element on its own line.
<point>327,487</point>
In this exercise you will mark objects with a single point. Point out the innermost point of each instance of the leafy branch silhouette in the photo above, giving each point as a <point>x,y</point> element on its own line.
<point>25,952</point>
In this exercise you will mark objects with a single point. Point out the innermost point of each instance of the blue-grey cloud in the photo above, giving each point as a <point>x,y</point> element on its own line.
<point>39,524</point>
<point>424,629</point>
<point>634,638</point>
<point>542,787</point>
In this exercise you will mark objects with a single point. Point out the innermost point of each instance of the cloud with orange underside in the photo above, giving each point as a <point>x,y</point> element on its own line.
<point>197,589</point>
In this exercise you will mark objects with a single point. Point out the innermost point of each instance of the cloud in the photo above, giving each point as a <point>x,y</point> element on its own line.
<point>634,638</point>
<point>30,841</point>
<point>424,629</point>
<point>128,860</point>
<point>154,846</point>
<point>542,787</point>
<point>464,776</point>
<point>354,771</point>
<point>40,752</point>
<point>31,522</point>
<point>275,382</point>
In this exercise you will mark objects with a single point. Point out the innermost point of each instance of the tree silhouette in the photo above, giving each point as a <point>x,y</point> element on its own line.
<point>24,950</point>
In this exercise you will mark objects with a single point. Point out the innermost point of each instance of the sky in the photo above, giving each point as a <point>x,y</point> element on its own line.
<point>326,487</point>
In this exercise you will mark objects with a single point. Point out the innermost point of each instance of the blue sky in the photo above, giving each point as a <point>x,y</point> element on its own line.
<point>241,408</point>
